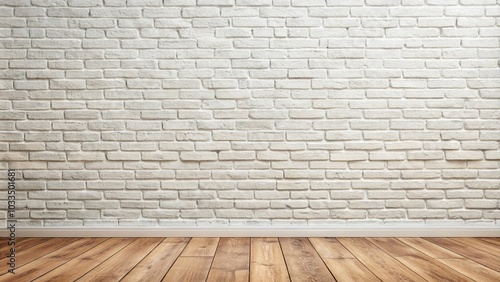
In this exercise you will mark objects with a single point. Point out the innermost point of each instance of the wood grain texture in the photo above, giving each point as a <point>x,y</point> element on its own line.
<point>394,247</point>
<point>493,241</point>
<point>479,244</point>
<point>304,263</point>
<point>85,262</point>
<point>267,262</point>
<point>52,260</point>
<point>347,269</point>
<point>22,244</point>
<point>200,247</point>
<point>122,262</point>
<point>340,262</point>
<point>484,258</point>
<point>418,262</point>
<point>433,270</point>
<point>430,249</point>
<point>4,247</point>
<point>472,269</point>
<point>45,246</point>
<point>231,261</point>
<point>386,267</point>
<point>330,248</point>
<point>189,269</point>
<point>157,263</point>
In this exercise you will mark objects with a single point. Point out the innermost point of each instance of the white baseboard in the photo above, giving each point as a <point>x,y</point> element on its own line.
<point>412,231</point>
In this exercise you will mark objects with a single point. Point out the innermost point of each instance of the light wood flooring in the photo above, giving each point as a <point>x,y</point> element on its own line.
<point>253,259</point>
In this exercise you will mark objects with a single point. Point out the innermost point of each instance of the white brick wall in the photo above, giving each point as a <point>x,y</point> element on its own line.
<point>270,112</point>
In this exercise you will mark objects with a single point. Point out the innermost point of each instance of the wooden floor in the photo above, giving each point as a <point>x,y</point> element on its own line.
<point>254,259</point>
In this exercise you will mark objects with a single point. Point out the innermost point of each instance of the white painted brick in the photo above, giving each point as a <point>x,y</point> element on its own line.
<point>272,214</point>
<point>123,156</point>
<point>293,185</point>
<point>410,174</point>
<point>464,155</point>
<point>481,204</point>
<point>47,195</point>
<point>482,184</point>
<point>201,103</point>
<point>48,214</point>
<point>142,185</point>
<point>300,174</point>
<point>426,214</point>
<point>347,214</point>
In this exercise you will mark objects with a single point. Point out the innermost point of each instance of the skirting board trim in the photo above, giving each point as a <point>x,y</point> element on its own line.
<point>422,231</point>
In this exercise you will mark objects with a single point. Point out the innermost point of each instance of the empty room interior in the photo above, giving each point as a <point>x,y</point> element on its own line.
<point>249,140</point>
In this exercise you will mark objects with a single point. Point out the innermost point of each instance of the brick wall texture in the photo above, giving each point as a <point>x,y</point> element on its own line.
<point>251,112</point>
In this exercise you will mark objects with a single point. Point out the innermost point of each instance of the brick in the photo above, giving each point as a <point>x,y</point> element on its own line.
<point>11,136</point>
<point>48,214</point>
<point>293,185</point>
<point>299,174</point>
<point>483,184</point>
<point>282,12</point>
<point>266,136</point>
<point>379,156</point>
<point>347,214</point>
<point>464,155</point>
<point>407,204</point>
<point>198,156</point>
<point>236,156</point>
<point>52,195</point>
<point>348,156</point>
<point>481,204</point>
<point>310,156</point>
<point>123,156</point>
<point>426,214</point>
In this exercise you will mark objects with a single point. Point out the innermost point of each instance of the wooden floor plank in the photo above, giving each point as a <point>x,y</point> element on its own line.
<point>429,248</point>
<point>267,262</point>
<point>200,247</point>
<point>304,263</point>
<point>418,262</point>
<point>340,261</point>
<point>50,261</point>
<point>122,262</point>
<point>189,269</point>
<point>455,261</point>
<point>22,245</point>
<point>433,270</point>
<point>493,241</point>
<point>330,248</point>
<point>350,269</point>
<point>4,245</point>
<point>231,261</point>
<point>383,265</point>
<point>394,248</point>
<point>4,242</point>
<point>195,260</point>
<point>83,263</point>
<point>472,269</point>
<point>470,252</point>
<point>46,246</point>
<point>480,244</point>
<point>157,263</point>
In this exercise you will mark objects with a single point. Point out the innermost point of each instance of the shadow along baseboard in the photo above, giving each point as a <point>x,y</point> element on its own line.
<point>421,231</point>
